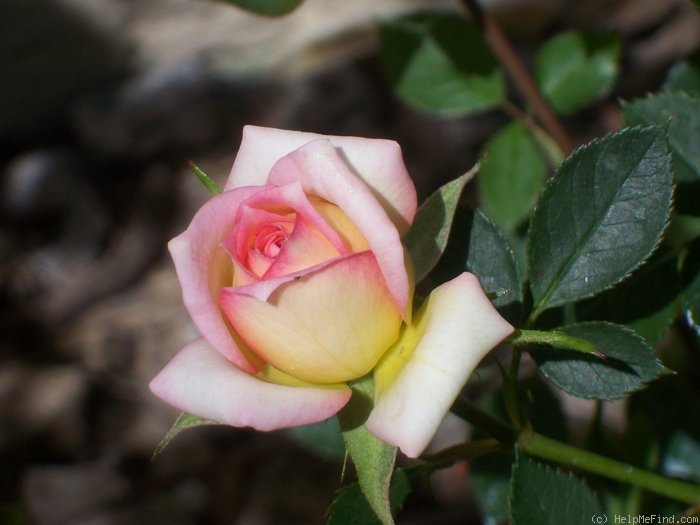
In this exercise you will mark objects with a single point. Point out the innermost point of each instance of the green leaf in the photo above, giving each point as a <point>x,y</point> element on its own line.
<point>490,477</point>
<point>373,459</point>
<point>691,286</point>
<point>667,407</point>
<point>324,437</point>
<point>267,7</point>
<point>543,495</point>
<point>575,69</point>
<point>440,63</point>
<point>630,362</point>
<point>477,245</point>
<point>427,238</point>
<point>183,422</point>
<point>350,507</point>
<point>685,76</point>
<point>681,113</point>
<point>512,175</point>
<point>602,215</point>
<point>647,301</point>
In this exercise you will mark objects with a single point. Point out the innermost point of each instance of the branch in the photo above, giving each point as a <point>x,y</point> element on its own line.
<point>522,79</point>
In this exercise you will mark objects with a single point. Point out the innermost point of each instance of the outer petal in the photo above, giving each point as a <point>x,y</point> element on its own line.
<point>202,382</point>
<point>377,162</point>
<point>323,172</point>
<point>417,382</point>
<point>203,268</point>
<point>328,326</point>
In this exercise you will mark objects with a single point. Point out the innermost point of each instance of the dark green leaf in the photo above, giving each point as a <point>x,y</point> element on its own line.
<point>512,175</point>
<point>490,477</point>
<point>685,76</point>
<point>691,286</point>
<point>427,238</point>
<point>440,63</point>
<point>324,437</point>
<point>267,7</point>
<point>681,113</point>
<point>668,407</point>
<point>478,246</point>
<point>600,218</point>
<point>373,458</point>
<point>183,422</point>
<point>350,507</point>
<point>647,301</point>
<point>575,69</point>
<point>543,495</point>
<point>630,362</point>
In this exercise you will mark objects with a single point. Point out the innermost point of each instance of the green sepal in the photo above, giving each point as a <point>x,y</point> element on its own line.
<point>205,179</point>
<point>427,238</point>
<point>373,458</point>
<point>183,422</point>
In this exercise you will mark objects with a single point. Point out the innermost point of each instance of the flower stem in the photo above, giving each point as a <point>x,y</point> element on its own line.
<point>542,447</point>
<point>522,79</point>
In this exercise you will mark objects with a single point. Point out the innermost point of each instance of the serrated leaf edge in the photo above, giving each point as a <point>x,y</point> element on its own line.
<point>551,183</point>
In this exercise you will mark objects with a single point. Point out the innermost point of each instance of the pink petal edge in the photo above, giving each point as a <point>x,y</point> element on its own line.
<point>195,253</point>
<point>378,162</point>
<point>462,327</point>
<point>200,381</point>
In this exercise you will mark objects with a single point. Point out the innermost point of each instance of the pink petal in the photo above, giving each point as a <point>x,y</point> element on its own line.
<point>203,268</point>
<point>323,172</point>
<point>328,326</point>
<point>456,329</point>
<point>202,382</point>
<point>377,162</point>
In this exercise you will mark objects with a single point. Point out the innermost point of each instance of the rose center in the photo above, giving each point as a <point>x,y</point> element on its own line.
<point>270,239</point>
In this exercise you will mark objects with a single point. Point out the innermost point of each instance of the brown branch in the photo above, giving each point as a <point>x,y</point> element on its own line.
<point>499,45</point>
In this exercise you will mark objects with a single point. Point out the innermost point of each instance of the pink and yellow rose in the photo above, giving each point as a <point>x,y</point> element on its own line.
<point>296,277</point>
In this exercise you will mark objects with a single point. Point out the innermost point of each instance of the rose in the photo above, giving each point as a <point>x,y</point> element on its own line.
<point>297,280</point>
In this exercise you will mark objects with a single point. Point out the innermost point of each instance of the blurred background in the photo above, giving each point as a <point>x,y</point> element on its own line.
<point>102,102</point>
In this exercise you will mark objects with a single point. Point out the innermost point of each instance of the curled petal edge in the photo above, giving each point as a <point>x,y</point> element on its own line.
<point>202,382</point>
<point>422,374</point>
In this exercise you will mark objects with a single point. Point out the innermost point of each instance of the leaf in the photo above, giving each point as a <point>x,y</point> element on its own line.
<point>440,63</point>
<point>350,507</point>
<point>512,175</point>
<point>647,301</point>
<point>681,113</point>
<point>691,286</point>
<point>685,76</point>
<point>427,238</point>
<point>543,495</point>
<point>490,477</point>
<point>477,245</point>
<point>630,362</point>
<point>575,69</point>
<point>267,7</point>
<point>600,218</point>
<point>373,459</point>
<point>183,422</point>
<point>666,406</point>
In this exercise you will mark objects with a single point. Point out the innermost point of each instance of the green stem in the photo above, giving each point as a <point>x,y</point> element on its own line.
<point>555,339</point>
<point>548,145</point>
<point>549,449</point>
<point>545,448</point>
